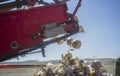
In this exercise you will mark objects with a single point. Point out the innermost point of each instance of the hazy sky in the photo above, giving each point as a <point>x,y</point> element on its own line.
<point>101,22</point>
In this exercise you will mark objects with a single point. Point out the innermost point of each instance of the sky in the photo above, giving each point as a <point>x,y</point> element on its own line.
<point>101,22</point>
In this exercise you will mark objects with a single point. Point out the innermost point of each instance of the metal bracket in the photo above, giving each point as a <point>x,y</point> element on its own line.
<point>77,7</point>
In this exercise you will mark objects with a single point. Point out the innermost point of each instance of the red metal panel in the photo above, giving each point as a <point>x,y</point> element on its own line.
<point>20,25</point>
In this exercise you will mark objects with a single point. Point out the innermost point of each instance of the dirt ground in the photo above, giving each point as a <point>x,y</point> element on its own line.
<point>17,72</point>
<point>110,69</point>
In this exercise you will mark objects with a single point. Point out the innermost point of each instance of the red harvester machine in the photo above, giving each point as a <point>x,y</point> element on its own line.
<point>24,30</point>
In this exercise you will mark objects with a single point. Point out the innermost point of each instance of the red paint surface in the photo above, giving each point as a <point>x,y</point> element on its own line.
<point>20,25</point>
